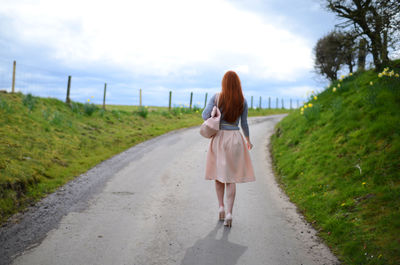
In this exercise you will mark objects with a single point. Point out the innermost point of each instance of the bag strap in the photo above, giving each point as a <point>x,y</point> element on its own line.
<point>217,99</point>
<point>219,127</point>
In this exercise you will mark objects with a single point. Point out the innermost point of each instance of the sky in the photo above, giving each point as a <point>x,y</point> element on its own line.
<point>159,46</point>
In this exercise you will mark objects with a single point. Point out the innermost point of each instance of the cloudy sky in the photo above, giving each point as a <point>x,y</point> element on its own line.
<point>160,46</point>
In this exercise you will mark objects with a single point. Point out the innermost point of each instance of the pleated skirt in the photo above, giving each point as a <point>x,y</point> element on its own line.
<point>228,159</point>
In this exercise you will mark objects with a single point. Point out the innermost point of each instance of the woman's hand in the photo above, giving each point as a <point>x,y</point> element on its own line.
<point>249,144</point>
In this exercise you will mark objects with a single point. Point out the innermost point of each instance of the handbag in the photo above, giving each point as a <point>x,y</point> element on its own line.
<point>210,127</point>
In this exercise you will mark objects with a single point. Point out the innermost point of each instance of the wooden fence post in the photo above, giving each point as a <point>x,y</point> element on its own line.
<point>13,77</point>
<point>191,98</point>
<point>290,103</point>
<point>68,100</point>
<point>140,97</point>
<point>104,96</point>
<point>252,102</point>
<point>269,102</point>
<point>282,103</point>
<point>205,101</point>
<point>277,102</point>
<point>259,105</point>
<point>170,97</point>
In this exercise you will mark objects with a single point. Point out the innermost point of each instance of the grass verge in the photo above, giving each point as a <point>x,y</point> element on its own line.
<point>339,161</point>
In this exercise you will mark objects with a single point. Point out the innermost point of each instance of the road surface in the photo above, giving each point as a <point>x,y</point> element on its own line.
<point>155,207</point>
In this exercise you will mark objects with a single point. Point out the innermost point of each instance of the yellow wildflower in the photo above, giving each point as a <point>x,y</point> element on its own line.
<point>364,183</point>
<point>350,74</point>
<point>342,76</point>
<point>396,75</point>
<point>309,105</point>
<point>305,106</point>
<point>92,96</point>
<point>340,80</point>
<point>391,73</point>
<point>302,113</point>
<point>302,109</point>
<point>315,97</point>
<point>343,204</point>
<point>380,256</point>
<point>88,100</point>
<point>334,89</point>
<point>371,83</point>
<point>380,75</point>
<point>338,85</point>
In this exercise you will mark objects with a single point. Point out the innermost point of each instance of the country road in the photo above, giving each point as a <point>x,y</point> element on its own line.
<point>151,205</point>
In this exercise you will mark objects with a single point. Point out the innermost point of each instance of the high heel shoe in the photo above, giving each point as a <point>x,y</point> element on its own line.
<point>228,220</point>
<point>221,213</point>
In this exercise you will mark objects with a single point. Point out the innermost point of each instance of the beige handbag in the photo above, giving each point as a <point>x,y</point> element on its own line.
<point>210,127</point>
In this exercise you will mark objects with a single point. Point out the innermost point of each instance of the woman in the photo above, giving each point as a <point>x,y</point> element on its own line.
<point>228,158</point>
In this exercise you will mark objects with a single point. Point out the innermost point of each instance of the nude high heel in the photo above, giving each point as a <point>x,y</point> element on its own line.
<point>221,213</point>
<point>228,220</point>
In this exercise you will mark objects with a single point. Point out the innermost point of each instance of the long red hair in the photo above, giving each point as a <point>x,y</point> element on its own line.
<point>231,100</point>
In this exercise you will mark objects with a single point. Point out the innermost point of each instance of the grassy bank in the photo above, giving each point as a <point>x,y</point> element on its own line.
<point>339,161</point>
<point>44,143</point>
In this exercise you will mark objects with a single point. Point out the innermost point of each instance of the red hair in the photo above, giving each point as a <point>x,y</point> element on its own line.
<point>231,100</point>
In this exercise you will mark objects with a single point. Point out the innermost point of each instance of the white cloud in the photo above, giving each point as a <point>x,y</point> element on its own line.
<point>241,69</point>
<point>299,91</point>
<point>158,37</point>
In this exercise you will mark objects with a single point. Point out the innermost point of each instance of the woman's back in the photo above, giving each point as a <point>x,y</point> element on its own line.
<point>225,125</point>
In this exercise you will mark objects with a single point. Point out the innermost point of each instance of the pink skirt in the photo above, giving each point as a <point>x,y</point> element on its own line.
<point>228,159</point>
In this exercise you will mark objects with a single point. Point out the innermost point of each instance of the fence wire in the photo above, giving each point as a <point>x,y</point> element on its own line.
<point>43,82</point>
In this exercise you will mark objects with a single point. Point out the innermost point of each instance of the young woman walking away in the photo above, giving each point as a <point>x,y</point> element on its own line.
<point>228,158</point>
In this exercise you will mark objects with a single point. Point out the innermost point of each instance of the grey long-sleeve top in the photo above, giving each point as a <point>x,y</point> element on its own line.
<point>224,125</point>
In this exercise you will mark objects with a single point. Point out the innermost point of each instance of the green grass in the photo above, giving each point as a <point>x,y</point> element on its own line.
<point>251,113</point>
<point>339,162</point>
<point>264,112</point>
<point>45,143</point>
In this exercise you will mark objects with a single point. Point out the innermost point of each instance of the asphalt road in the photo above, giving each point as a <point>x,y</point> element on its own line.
<point>151,205</point>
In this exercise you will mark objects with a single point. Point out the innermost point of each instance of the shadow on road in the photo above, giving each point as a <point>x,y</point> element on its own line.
<point>210,250</point>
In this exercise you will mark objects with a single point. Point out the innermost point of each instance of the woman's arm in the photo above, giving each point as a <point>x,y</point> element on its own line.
<point>207,110</point>
<point>245,126</point>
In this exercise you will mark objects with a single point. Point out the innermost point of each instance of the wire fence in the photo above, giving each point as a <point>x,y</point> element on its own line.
<point>44,82</point>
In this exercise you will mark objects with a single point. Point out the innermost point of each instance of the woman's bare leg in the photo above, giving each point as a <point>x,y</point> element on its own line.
<point>220,189</point>
<point>230,196</point>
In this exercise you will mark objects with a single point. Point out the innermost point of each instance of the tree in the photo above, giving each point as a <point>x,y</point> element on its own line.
<point>362,54</point>
<point>328,55</point>
<point>348,48</point>
<point>377,20</point>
